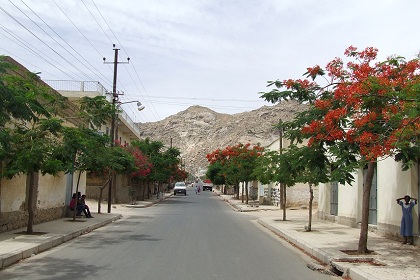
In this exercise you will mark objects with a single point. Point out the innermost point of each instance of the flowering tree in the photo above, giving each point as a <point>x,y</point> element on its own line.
<point>362,111</point>
<point>238,163</point>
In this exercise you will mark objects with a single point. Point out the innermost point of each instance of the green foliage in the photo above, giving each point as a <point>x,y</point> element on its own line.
<point>165,164</point>
<point>215,173</point>
<point>96,111</point>
<point>32,149</point>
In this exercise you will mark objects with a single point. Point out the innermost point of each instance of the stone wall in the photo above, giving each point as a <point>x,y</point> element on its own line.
<point>19,219</point>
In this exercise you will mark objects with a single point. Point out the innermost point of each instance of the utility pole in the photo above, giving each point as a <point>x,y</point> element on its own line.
<point>113,117</point>
<point>282,186</point>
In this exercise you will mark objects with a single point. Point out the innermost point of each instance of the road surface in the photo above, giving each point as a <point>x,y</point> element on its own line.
<point>195,237</point>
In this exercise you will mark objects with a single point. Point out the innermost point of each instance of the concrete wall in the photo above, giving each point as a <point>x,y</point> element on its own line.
<point>51,202</point>
<point>392,183</point>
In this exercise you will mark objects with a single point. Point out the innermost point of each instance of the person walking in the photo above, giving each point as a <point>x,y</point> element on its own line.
<point>407,218</point>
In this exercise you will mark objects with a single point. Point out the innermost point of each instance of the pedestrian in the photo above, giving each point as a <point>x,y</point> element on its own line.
<point>86,207</point>
<point>407,218</point>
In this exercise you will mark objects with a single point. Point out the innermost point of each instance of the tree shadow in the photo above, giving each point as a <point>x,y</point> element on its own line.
<point>53,268</point>
<point>110,238</point>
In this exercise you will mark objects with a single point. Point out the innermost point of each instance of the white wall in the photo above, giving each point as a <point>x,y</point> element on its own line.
<point>392,183</point>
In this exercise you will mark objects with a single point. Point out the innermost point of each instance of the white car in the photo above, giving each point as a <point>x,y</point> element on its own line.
<point>180,187</point>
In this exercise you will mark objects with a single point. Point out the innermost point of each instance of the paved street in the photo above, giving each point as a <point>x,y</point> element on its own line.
<point>184,237</point>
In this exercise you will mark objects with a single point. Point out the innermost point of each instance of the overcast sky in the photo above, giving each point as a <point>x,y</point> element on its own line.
<point>215,53</point>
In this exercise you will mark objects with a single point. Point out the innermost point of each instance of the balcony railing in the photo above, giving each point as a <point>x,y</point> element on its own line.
<point>77,86</point>
<point>89,86</point>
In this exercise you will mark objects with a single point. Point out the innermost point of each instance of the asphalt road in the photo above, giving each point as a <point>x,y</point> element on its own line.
<point>185,237</point>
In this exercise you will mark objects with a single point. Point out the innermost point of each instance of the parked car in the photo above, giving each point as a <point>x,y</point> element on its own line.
<point>180,187</point>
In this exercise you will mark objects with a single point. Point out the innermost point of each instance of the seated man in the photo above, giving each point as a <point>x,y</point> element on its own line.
<point>86,208</point>
<point>79,206</point>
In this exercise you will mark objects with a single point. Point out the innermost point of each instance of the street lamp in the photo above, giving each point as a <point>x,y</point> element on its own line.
<point>114,134</point>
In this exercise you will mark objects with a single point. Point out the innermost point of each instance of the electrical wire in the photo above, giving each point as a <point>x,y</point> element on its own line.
<point>109,84</point>
<point>52,39</point>
<point>31,49</point>
<point>37,37</point>
<point>154,111</point>
<point>95,71</point>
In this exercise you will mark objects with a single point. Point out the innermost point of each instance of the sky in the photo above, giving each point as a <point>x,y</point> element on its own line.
<point>214,53</point>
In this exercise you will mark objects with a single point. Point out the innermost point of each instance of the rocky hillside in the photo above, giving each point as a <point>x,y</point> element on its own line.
<point>198,130</point>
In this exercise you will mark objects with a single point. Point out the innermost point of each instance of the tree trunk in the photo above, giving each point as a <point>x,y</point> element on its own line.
<point>32,182</point>
<point>281,197</point>
<point>100,194</point>
<point>237,190</point>
<point>284,202</point>
<point>77,198</point>
<point>311,198</point>
<point>1,169</point>
<point>246,192</point>
<point>145,188</point>
<point>364,226</point>
<point>224,189</point>
<point>242,193</point>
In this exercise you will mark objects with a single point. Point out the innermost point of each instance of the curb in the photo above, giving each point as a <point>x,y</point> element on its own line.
<point>319,254</point>
<point>148,204</point>
<point>47,242</point>
<point>235,206</point>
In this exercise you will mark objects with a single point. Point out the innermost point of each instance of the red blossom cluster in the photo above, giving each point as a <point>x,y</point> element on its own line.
<point>240,150</point>
<point>366,95</point>
<point>144,166</point>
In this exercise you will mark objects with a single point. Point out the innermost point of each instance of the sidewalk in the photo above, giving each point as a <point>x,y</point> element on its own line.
<point>327,241</point>
<point>17,245</point>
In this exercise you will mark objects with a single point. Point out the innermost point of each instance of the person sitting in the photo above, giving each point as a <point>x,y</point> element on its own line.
<point>79,206</point>
<point>86,208</point>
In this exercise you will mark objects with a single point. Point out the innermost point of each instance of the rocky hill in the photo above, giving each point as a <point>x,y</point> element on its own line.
<point>198,130</point>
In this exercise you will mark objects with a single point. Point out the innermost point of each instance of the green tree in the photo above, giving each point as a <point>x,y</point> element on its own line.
<point>29,132</point>
<point>363,110</point>
<point>152,149</point>
<point>215,174</point>
<point>236,164</point>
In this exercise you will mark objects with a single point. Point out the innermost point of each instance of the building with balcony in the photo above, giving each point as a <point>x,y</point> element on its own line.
<point>125,132</point>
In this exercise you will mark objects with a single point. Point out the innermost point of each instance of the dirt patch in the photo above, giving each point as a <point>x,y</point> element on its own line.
<point>361,261</point>
<point>33,233</point>
<point>355,253</point>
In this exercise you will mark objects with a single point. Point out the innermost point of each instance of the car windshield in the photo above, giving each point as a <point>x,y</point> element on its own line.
<point>180,184</point>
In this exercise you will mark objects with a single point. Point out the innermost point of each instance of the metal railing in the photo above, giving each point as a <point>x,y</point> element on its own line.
<point>123,114</point>
<point>89,86</point>
<point>77,86</point>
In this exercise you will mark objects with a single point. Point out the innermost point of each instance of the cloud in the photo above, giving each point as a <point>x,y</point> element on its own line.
<point>193,51</point>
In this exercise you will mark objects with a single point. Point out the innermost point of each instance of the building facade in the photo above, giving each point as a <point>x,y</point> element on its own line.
<point>343,203</point>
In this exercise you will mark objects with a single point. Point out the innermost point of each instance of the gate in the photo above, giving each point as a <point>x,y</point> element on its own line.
<point>373,215</point>
<point>334,199</point>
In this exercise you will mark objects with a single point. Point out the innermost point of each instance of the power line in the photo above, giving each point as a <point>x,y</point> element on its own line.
<point>92,67</point>
<point>154,112</point>
<point>50,37</point>
<point>206,99</point>
<point>29,63</point>
<point>100,26</point>
<point>87,40</point>
<point>33,34</point>
<point>31,48</point>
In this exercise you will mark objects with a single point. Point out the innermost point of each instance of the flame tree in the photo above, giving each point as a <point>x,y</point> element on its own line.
<point>361,111</point>
<point>236,164</point>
